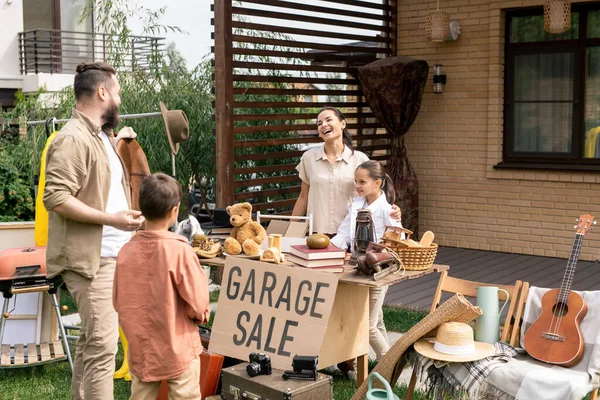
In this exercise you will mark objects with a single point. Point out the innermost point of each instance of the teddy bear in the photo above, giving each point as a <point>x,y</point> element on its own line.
<point>246,235</point>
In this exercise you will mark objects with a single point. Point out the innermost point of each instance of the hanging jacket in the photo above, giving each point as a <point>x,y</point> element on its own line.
<point>136,165</point>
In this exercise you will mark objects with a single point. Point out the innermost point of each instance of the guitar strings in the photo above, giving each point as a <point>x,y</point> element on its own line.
<point>557,315</point>
<point>556,320</point>
<point>553,321</point>
<point>570,278</point>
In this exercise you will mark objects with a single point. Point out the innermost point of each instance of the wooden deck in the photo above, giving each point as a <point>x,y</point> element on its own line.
<point>492,267</point>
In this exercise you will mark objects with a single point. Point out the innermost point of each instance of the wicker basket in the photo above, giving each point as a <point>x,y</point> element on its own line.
<point>416,258</point>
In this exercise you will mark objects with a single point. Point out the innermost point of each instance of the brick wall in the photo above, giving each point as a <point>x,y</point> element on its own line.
<point>457,139</point>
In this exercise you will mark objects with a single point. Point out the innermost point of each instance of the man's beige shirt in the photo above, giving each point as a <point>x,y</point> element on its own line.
<point>77,166</point>
<point>331,186</point>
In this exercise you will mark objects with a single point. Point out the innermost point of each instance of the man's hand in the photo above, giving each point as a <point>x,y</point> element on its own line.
<point>396,213</point>
<point>205,316</point>
<point>127,220</point>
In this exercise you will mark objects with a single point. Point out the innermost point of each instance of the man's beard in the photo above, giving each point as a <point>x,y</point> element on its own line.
<point>111,117</point>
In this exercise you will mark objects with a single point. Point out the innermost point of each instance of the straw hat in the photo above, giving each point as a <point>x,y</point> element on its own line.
<point>454,343</point>
<point>178,127</point>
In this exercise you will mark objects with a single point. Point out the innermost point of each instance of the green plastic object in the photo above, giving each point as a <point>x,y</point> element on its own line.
<point>378,394</point>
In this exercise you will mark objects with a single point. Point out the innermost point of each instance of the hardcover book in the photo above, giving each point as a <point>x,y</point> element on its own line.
<point>327,262</point>
<point>302,251</point>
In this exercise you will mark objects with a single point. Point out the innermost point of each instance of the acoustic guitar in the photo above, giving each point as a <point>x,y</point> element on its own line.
<point>555,337</point>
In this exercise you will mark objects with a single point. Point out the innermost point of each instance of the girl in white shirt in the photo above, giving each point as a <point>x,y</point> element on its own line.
<point>375,193</point>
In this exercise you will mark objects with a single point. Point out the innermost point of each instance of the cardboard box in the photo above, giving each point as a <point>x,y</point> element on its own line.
<point>292,232</point>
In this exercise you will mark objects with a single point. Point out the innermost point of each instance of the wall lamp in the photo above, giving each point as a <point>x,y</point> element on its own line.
<point>439,78</point>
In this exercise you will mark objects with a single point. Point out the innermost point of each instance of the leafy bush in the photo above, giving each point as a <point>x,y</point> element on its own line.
<point>16,201</point>
<point>141,93</point>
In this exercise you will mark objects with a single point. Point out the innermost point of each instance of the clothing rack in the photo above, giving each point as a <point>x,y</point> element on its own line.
<point>124,116</point>
<point>53,121</point>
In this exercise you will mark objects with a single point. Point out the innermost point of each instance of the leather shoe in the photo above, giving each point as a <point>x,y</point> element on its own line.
<point>362,265</point>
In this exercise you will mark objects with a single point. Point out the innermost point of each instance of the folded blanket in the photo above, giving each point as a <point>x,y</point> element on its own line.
<point>525,378</point>
<point>463,380</point>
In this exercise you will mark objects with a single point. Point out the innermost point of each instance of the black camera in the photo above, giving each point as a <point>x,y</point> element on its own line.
<point>304,367</point>
<point>260,364</point>
<point>305,363</point>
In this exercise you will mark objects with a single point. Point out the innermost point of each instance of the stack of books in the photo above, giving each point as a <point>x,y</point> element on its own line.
<point>218,233</point>
<point>329,259</point>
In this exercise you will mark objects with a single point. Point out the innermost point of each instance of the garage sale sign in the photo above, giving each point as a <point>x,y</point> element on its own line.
<point>279,310</point>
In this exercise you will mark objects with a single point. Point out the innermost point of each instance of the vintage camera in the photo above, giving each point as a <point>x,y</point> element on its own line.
<point>305,363</point>
<point>304,367</point>
<point>260,364</point>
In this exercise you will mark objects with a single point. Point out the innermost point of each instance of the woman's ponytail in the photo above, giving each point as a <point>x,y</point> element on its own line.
<point>347,139</point>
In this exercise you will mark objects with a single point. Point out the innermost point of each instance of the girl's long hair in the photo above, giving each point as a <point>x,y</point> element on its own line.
<point>376,171</point>
<point>345,133</point>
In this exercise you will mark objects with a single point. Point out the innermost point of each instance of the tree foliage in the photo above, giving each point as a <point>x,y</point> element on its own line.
<point>169,81</point>
<point>16,201</point>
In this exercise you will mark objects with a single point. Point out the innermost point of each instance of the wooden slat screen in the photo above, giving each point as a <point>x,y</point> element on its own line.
<point>276,64</point>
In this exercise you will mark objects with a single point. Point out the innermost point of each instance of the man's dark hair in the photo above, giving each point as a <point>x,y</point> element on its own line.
<point>90,76</point>
<point>159,193</point>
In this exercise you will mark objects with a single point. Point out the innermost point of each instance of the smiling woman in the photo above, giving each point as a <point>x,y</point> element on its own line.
<point>327,173</point>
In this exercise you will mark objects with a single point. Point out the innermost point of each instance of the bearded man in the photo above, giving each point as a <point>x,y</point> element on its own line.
<point>90,219</point>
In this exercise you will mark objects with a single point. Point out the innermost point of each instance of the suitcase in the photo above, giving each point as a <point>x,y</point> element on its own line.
<point>238,385</point>
<point>210,372</point>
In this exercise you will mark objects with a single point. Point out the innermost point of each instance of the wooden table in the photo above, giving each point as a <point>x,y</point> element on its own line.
<point>347,334</point>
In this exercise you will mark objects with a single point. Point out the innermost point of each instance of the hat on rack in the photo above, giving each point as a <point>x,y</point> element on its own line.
<point>177,125</point>
<point>454,343</point>
<point>220,220</point>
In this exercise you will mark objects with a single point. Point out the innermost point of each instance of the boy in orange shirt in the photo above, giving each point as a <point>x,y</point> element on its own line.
<point>161,293</point>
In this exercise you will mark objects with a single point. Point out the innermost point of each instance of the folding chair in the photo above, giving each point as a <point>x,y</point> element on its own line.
<point>510,331</point>
<point>392,363</point>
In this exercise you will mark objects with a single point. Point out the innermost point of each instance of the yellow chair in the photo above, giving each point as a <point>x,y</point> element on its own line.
<point>123,372</point>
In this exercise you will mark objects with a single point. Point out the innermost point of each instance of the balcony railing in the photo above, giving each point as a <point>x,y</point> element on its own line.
<point>55,52</point>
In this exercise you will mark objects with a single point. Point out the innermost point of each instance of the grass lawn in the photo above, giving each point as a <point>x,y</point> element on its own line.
<point>214,295</point>
<point>48,382</point>
<point>67,300</point>
<point>53,381</point>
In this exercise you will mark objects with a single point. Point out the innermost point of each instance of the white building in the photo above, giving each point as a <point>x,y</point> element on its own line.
<point>41,43</point>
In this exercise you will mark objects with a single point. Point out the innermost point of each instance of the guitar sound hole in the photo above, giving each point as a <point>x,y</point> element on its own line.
<point>560,310</point>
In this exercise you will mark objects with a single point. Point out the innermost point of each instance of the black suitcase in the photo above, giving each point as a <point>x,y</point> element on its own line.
<point>238,385</point>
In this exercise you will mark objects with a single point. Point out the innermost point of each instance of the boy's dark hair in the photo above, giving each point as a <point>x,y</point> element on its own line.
<point>90,76</point>
<point>159,193</point>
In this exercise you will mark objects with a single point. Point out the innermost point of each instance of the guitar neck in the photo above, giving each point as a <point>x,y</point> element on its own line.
<point>567,283</point>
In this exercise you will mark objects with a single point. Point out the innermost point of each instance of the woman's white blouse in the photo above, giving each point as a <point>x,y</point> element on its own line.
<point>331,186</point>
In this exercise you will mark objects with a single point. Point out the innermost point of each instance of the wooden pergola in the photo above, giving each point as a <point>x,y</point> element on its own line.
<point>271,55</point>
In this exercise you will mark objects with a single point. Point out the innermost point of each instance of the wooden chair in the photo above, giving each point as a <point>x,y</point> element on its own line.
<point>510,331</point>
